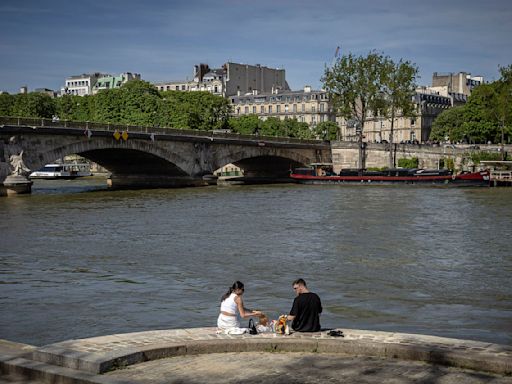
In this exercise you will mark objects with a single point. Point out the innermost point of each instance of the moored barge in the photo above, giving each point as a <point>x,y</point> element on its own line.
<point>322,174</point>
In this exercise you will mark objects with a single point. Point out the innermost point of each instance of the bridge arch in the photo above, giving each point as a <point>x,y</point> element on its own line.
<point>131,157</point>
<point>268,162</point>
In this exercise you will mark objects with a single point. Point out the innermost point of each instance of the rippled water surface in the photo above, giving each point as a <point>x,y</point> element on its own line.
<point>77,261</point>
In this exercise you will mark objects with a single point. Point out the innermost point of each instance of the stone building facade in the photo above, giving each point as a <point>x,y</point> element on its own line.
<point>429,104</point>
<point>457,86</point>
<point>81,85</point>
<point>307,105</point>
<point>231,79</point>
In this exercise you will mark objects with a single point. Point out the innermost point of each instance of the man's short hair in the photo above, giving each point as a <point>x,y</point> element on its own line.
<point>300,282</point>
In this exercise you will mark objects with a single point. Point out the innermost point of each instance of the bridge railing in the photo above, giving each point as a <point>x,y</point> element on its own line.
<point>90,125</point>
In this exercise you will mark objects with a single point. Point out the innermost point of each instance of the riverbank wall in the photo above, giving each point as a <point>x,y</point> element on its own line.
<point>345,154</point>
<point>87,360</point>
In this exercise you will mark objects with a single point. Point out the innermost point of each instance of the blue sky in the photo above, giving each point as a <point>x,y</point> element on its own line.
<point>43,42</point>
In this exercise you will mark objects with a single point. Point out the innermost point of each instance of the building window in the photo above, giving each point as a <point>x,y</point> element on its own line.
<point>254,109</point>
<point>413,122</point>
<point>177,87</point>
<point>286,108</point>
<point>278,108</point>
<point>238,110</point>
<point>262,109</point>
<point>303,107</point>
<point>269,109</point>
<point>313,109</point>
<point>294,108</point>
<point>246,110</point>
<point>322,107</point>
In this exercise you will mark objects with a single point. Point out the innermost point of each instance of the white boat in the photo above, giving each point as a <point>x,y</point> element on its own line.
<point>62,171</point>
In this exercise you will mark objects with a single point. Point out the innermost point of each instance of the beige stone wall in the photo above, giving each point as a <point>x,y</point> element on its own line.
<point>346,154</point>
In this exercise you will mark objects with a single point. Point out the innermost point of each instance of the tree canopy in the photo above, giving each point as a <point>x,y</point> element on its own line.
<point>399,87</point>
<point>354,85</point>
<point>487,116</point>
<point>327,130</point>
<point>135,103</point>
<point>373,84</point>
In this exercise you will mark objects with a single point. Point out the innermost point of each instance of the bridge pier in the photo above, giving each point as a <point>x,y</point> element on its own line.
<point>122,181</point>
<point>16,185</point>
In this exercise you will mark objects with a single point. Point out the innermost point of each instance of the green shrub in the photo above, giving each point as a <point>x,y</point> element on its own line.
<point>408,163</point>
<point>477,157</point>
<point>447,164</point>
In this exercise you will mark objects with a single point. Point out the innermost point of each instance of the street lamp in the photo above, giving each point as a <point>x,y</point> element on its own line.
<point>360,144</point>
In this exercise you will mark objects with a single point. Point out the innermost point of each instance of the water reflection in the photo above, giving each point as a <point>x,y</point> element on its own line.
<point>425,260</point>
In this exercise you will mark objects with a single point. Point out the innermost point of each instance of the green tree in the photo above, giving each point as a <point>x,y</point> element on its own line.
<point>449,124</point>
<point>502,101</point>
<point>271,127</point>
<point>193,110</point>
<point>6,104</point>
<point>245,125</point>
<point>327,130</point>
<point>355,85</point>
<point>487,116</point>
<point>479,120</point>
<point>137,100</point>
<point>399,86</point>
<point>296,129</point>
<point>33,105</point>
<point>72,107</point>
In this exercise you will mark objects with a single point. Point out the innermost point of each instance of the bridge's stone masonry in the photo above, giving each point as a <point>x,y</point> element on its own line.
<point>165,159</point>
<point>173,158</point>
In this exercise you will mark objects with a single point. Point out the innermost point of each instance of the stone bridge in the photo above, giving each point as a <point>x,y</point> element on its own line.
<point>154,157</point>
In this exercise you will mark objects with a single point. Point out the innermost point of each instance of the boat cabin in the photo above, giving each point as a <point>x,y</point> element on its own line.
<point>316,169</point>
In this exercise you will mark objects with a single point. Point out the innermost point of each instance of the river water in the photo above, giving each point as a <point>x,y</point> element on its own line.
<point>79,261</point>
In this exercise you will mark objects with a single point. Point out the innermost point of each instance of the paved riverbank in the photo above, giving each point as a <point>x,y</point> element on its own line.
<point>200,354</point>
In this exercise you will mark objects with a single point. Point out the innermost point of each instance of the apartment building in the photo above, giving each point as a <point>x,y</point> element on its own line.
<point>90,84</point>
<point>457,86</point>
<point>429,104</point>
<point>110,82</point>
<point>307,105</point>
<point>80,85</point>
<point>231,79</point>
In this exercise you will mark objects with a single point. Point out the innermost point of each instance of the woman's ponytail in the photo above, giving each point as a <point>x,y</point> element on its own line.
<point>236,285</point>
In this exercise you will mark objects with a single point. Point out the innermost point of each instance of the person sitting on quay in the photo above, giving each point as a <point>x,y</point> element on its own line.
<point>306,309</point>
<point>232,309</point>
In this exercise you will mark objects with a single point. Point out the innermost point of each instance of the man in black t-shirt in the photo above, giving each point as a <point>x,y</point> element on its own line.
<point>306,309</point>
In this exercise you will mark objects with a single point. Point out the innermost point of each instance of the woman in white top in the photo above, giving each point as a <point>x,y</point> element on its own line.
<point>232,309</point>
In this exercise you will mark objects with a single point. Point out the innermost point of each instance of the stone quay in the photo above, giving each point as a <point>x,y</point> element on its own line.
<point>203,355</point>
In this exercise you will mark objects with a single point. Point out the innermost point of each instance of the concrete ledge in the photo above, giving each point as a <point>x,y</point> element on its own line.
<point>84,360</point>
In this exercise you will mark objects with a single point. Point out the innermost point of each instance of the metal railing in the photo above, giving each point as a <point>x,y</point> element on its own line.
<point>501,175</point>
<point>95,126</point>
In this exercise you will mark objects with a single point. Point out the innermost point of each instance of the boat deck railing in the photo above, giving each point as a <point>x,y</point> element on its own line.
<point>501,176</point>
